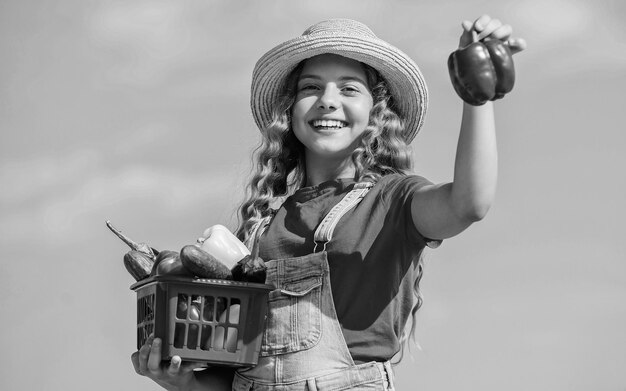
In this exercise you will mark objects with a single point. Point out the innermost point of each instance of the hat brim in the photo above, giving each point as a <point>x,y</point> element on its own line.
<point>404,79</point>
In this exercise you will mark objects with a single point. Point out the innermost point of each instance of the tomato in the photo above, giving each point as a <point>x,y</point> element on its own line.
<point>170,264</point>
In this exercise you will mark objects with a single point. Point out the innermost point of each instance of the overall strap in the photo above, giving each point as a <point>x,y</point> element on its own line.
<point>324,231</point>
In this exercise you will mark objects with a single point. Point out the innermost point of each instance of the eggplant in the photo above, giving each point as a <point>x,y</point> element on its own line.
<point>251,268</point>
<point>138,264</point>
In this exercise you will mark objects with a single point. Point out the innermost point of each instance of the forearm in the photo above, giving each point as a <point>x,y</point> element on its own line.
<point>476,164</point>
<point>444,210</point>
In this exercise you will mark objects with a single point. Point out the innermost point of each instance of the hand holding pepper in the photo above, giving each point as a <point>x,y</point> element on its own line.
<point>482,68</point>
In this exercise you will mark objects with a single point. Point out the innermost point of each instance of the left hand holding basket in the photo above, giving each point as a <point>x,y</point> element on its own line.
<point>174,375</point>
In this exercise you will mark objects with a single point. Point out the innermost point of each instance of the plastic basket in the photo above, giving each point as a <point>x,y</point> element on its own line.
<point>197,319</point>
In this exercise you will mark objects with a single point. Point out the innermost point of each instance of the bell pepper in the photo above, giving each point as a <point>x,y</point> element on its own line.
<point>169,263</point>
<point>218,241</point>
<point>482,71</point>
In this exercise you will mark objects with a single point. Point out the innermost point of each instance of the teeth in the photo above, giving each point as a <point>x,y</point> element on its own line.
<point>326,123</point>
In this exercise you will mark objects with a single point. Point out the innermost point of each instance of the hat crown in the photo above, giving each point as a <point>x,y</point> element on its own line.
<point>351,39</point>
<point>343,27</point>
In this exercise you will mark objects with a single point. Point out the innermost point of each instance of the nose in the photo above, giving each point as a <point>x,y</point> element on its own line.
<point>329,100</point>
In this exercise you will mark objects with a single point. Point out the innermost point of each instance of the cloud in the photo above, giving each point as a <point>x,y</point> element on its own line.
<point>146,38</point>
<point>566,38</point>
<point>555,20</point>
<point>26,179</point>
<point>140,137</point>
<point>58,198</point>
<point>45,173</point>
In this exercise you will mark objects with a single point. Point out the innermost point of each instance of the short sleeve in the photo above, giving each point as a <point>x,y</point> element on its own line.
<point>398,193</point>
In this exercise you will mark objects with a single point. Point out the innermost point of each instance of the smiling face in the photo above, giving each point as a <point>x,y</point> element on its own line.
<point>332,106</point>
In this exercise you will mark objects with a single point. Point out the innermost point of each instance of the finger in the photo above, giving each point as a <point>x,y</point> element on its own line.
<point>467,37</point>
<point>481,23</point>
<point>502,33</point>
<point>489,28</point>
<point>516,45</point>
<point>144,352</point>
<point>134,358</point>
<point>174,368</point>
<point>154,360</point>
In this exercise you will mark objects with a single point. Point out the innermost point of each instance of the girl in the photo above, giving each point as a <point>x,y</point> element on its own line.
<point>344,223</point>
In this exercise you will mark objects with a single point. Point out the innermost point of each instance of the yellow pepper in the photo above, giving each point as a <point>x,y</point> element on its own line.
<point>218,241</point>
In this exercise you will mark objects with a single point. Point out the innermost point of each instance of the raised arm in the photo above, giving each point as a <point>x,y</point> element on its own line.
<point>444,210</point>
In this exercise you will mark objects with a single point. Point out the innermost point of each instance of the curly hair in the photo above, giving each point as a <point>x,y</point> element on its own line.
<point>279,167</point>
<point>279,160</point>
<point>278,163</point>
<point>382,149</point>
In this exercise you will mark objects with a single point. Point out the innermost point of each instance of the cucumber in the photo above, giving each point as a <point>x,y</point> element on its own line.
<point>203,264</point>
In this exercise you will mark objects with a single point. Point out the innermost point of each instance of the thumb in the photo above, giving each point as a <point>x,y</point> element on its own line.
<point>468,35</point>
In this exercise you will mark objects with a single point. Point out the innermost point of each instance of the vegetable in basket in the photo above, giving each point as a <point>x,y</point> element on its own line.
<point>141,247</point>
<point>220,243</point>
<point>169,263</point>
<point>140,260</point>
<point>203,264</point>
<point>138,264</point>
<point>251,268</point>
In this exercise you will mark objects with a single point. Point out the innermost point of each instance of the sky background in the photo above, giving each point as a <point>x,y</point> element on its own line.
<point>137,112</point>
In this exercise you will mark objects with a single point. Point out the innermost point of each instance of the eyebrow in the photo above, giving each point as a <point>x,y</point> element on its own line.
<point>343,78</point>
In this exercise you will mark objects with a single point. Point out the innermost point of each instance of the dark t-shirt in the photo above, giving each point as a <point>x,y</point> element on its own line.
<point>372,256</point>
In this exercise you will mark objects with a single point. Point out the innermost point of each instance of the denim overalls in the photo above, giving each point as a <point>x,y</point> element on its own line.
<point>303,345</point>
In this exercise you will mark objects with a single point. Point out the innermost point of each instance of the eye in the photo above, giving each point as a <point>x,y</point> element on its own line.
<point>308,87</point>
<point>350,89</point>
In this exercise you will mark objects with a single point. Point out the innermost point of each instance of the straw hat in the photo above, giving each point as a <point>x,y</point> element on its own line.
<point>350,39</point>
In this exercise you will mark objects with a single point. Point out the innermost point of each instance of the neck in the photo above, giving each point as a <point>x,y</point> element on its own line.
<point>319,169</point>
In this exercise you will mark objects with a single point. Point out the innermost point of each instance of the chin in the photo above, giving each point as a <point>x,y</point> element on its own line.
<point>333,152</point>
